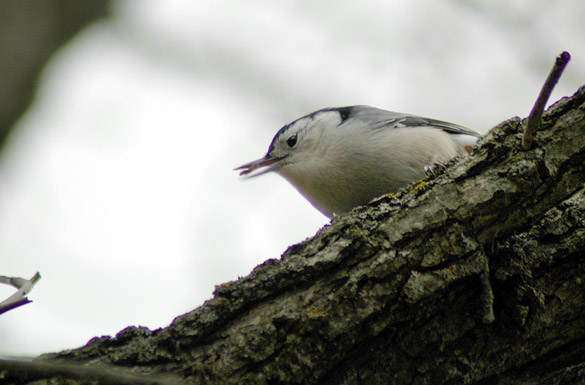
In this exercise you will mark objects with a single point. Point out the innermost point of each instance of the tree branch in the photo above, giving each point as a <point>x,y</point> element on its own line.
<point>397,292</point>
<point>17,299</point>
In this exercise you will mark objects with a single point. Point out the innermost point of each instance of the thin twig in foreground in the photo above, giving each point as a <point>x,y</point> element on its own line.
<point>17,299</point>
<point>535,116</point>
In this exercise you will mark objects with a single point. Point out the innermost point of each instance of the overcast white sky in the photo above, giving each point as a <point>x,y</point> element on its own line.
<point>118,184</point>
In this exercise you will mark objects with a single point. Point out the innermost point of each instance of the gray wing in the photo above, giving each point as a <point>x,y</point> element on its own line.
<point>452,128</point>
<point>387,119</point>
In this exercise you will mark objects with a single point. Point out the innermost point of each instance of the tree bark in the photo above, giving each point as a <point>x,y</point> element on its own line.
<point>476,276</point>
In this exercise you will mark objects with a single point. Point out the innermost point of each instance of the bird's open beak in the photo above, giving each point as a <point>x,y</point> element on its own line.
<point>269,162</point>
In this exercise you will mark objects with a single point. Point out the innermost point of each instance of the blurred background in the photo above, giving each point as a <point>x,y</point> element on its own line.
<point>121,122</point>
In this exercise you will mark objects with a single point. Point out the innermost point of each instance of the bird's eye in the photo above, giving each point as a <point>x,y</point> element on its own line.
<point>344,113</point>
<point>291,141</point>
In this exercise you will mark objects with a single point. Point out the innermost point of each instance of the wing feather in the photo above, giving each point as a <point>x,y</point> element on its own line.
<point>388,119</point>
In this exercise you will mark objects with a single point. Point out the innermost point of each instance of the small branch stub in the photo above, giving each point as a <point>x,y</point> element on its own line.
<point>535,116</point>
<point>19,298</point>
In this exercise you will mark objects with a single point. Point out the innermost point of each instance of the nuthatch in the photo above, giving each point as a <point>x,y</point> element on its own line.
<point>340,158</point>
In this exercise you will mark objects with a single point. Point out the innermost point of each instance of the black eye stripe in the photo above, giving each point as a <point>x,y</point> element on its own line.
<point>291,141</point>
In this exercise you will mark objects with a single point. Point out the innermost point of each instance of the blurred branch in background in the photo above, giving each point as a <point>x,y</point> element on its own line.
<point>30,32</point>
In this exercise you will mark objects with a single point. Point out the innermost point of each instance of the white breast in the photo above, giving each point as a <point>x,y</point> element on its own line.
<point>350,172</point>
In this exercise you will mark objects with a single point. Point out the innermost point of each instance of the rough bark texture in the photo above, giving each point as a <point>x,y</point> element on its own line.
<point>399,292</point>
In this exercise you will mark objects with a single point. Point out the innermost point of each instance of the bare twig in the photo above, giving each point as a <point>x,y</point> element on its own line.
<point>534,118</point>
<point>17,299</point>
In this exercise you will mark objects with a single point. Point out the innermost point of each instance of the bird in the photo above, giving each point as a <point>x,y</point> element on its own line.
<point>343,157</point>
